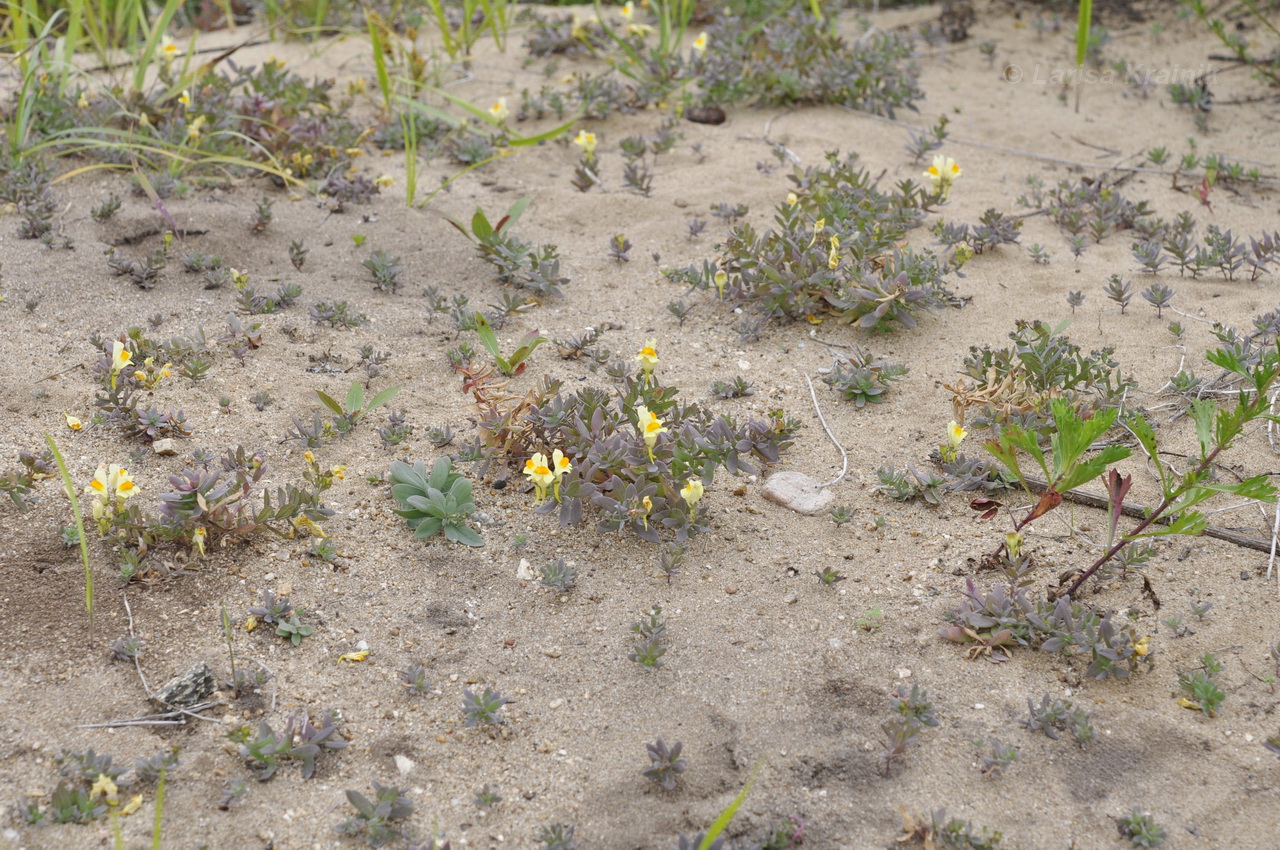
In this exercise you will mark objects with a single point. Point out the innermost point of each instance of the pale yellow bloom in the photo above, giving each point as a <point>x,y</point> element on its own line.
<point>197,538</point>
<point>339,472</point>
<point>833,258</point>
<point>955,434</point>
<point>792,199</point>
<point>1142,647</point>
<point>692,491</point>
<point>700,43</point>
<point>560,464</point>
<point>650,427</point>
<point>83,102</point>
<point>942,174</point>
<point>73,423</point>
<point>193,130</point>
<point>354,657</point>
<point>135,803</point>
<point>168,49</point>
<point>120,357</point>
<point>639,29</point>
<point>647,503</point>
<point>1013,540</point>
<point>648,357</point>
<point>104,788</point>
<point>185,99</point>
<point>308,457</point>
<point>499,110</point>
<point>384,180</point>
<point>720,278</point>
<point>539,472</point>
<point>628,11</point>
<point>586,141</point>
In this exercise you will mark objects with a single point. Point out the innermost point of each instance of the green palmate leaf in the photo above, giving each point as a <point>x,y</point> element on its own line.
<point>1146,436</point>
<point>1202,411</point>
<point>1191,523</point>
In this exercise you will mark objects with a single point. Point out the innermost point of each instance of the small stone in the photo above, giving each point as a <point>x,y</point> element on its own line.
<point>791,598</point>
<point>731,590</point>
<point>798,492</point>
<point>269,577</point>
<point>285,588</point>
<point>362,646</point>
<point>194,686</point>
<point>556,703</point>
<point>553,652</point>
<point>524,572</point>
<point>904,673</point>
<point>166,447</point>
<point>404,764</point>
<point>835,643</point>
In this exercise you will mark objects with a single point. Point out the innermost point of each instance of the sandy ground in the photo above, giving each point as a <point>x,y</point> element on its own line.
<point>766,666</point>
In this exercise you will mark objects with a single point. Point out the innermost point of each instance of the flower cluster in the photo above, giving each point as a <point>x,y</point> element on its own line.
<point>543,473</point>
<point>110,487</point>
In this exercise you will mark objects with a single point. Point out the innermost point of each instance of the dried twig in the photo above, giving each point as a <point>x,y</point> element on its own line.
<point>844,467</point>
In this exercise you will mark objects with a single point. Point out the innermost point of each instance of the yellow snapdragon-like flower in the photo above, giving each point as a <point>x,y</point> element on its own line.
<point>792,199</point>
<point>720,278</point>
<point>193,129</point>
<point>833,257</point>
<point>942,174</point>
<point>197,538</point>
<point>639,29</point>
<point>1013,541</point>
<point>120,357</point>
<point>650,427</point>
<point>185,99</point>
<point>587,142</point>
<point>384,181</point>
<point>647,505</point>
<point>955,436</point>
<point>628,11</point>
<point>648,358</point>
<point>560,467</point>
<point>83,102</point>
<point>539,472</point>
<point>499,110</point>
<point>73,423</point>
<point>692,491</point>
<point>700,43</point>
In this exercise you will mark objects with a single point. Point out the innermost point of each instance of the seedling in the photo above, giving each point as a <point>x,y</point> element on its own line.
<point>294,630</point>
<point>559,576</point>
<point>353,408</point>
<point>665,763</point>
<point>871,620</point>
<point>516,363</point>
<point>374,820</point>
<point>1141,829</point>
<point>414,678</point>
<point>487,796</point>
<point>841,514</point>
<point>829,576</point>
<point>483,709</point>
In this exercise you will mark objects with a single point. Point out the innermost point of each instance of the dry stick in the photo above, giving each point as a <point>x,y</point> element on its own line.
<point>843,454</point>
<point>136,664</point>
<point>1130,509</point>
<point>164,718</point>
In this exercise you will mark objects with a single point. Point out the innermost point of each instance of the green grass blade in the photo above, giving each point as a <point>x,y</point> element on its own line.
<point>1083,23</point>
<point>153,41</point>
<point>379,59</point>
<point>722,822</point>
<point>70,487</point>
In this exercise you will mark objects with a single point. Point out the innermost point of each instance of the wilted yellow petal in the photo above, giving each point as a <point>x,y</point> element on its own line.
<point>354,657</point>
<point>135,803</point>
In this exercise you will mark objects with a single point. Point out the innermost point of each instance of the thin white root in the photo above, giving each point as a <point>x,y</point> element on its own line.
<point>844,466</point>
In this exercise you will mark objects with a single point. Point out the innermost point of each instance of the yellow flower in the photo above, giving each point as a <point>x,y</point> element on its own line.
<point>308,457</point>
<point>833,258</point>
<point>1142,647</point>
<point>354,657</point>
<point>700,43</point>
<point>120,483</point>
<point>650,427</point>
<point>135,803</point>
<point>560,464</point>
<point>539,472</point>
<point>73,423</point>
<point>1013,540</point>
<point>104,788</point>
<point>628,10</point>
<point>692,491</point>
<point>818,226</point>
<point>586,141</point>
<point>83,102</point>
<point>647,504</point>
<point>955,434</point>
<point>251,623</point>
<point>197,538</point>
<point>648,357</point>
<point>185,99</point>
<point>640,30</point>
<point>120,357</point>
<point>168,49</point>
<point>193,130</point>
<point>384,180</point>
<point>720,278</point>
<point>499,110</point>
<point>792,199</point>
<point>942,174</point>
<point>98,486</point>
